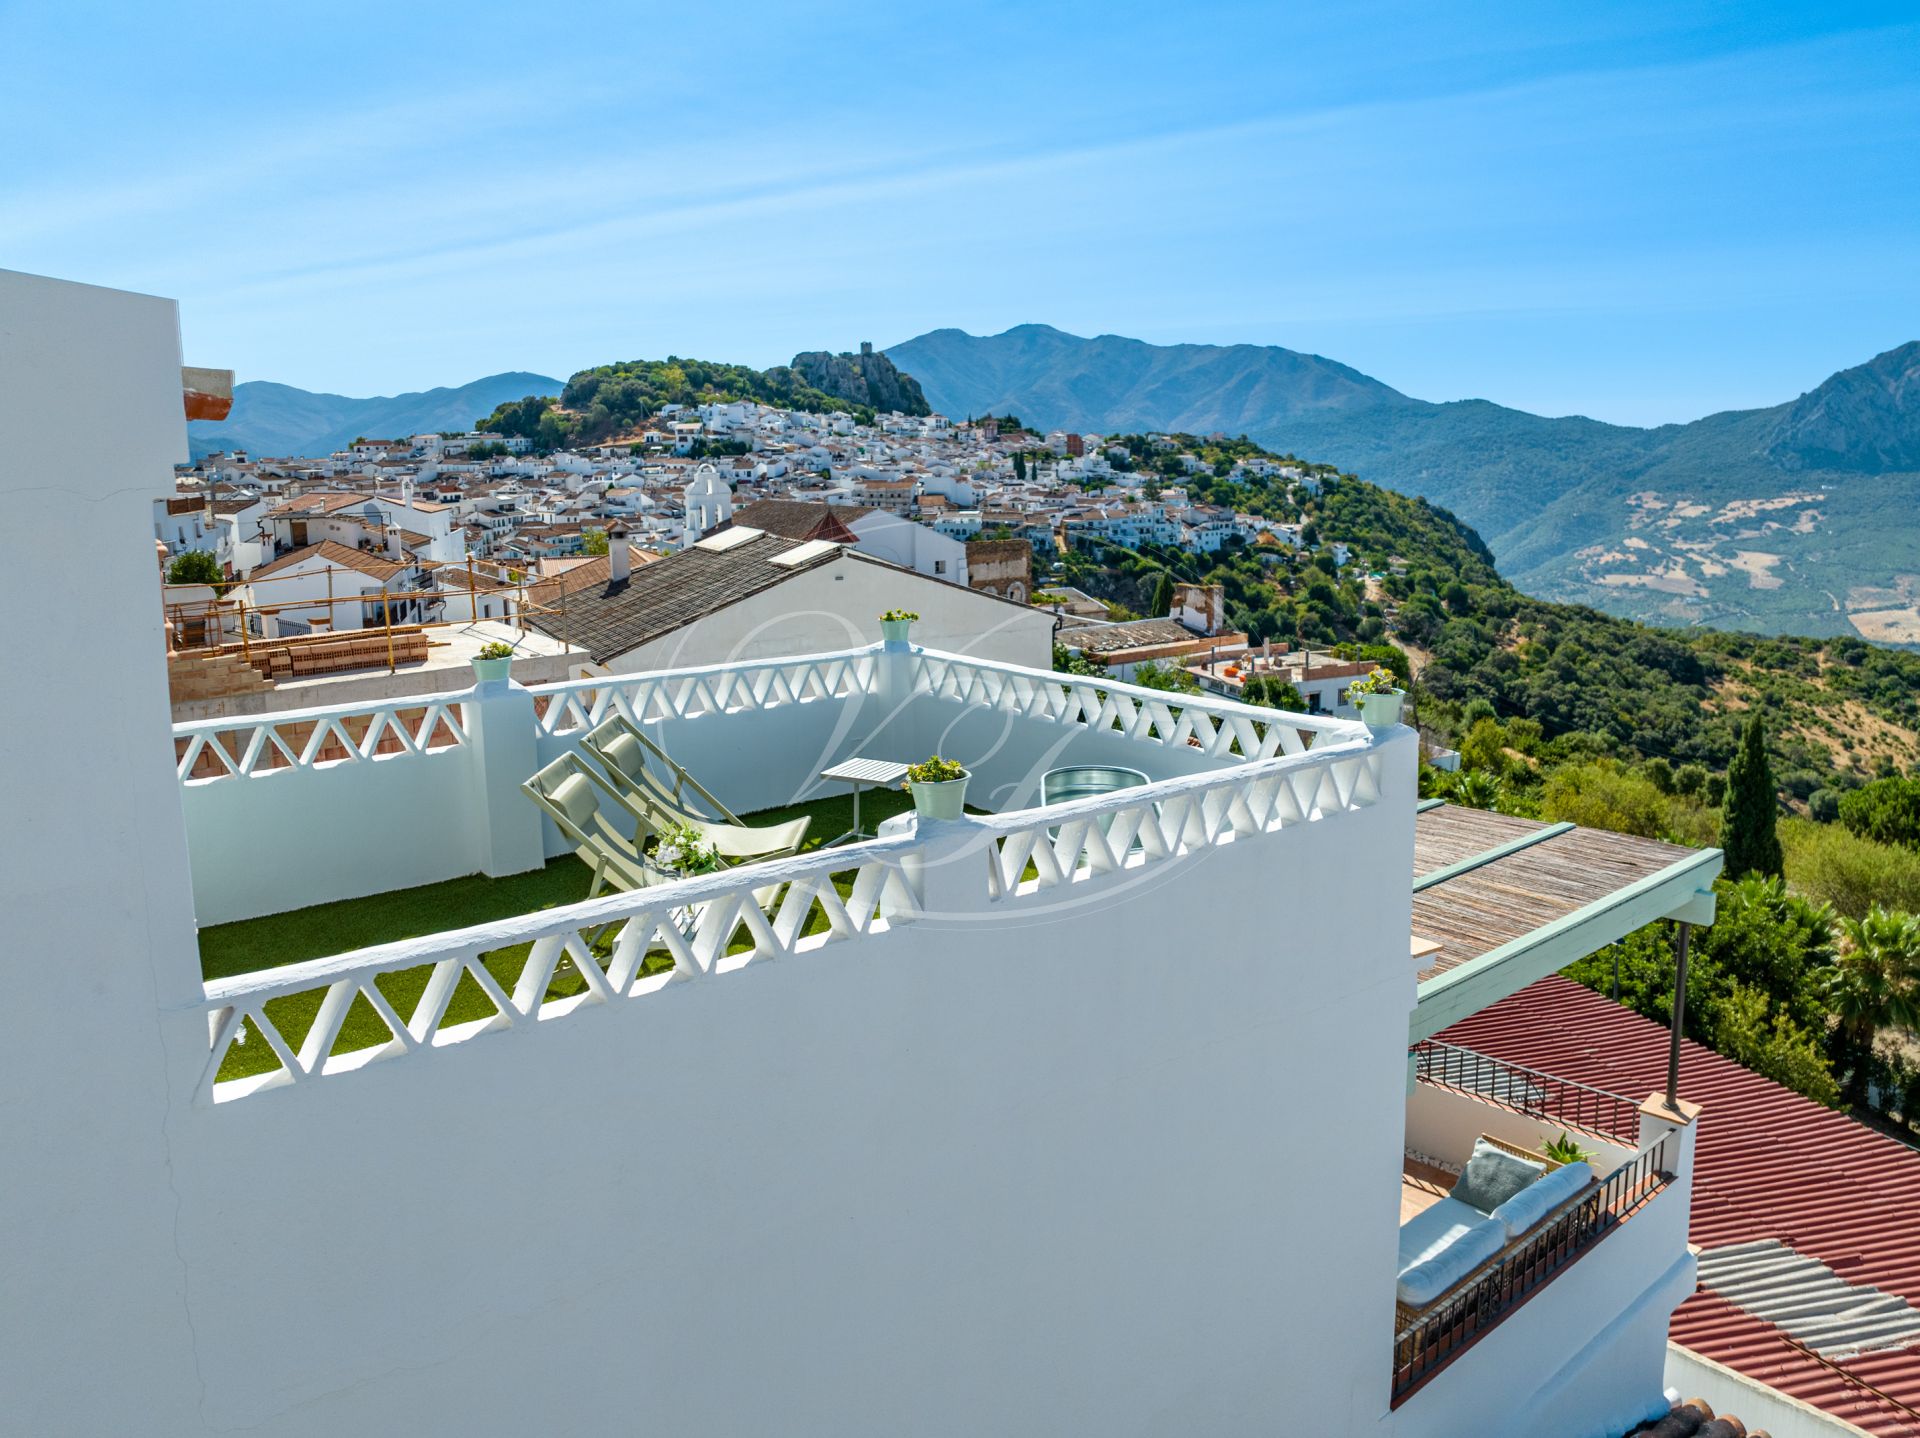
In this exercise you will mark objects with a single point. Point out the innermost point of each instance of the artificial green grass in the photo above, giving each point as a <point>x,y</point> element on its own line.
<point>251,945</point>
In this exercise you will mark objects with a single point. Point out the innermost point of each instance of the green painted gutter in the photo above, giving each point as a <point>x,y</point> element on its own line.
<point>1684,889</point>
<point>1498,851</point>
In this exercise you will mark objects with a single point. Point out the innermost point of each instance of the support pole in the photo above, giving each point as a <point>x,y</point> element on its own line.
<point>1682,935</point>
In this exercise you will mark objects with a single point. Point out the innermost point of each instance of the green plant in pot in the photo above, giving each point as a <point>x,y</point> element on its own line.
<point>1566,1149</point>
<point>894,625</point>
<point>939,788</point>
<point>1379,699</point>
<point>492,663</point>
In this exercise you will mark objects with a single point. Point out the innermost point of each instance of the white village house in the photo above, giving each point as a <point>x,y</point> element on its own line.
<point>1120,1114</point>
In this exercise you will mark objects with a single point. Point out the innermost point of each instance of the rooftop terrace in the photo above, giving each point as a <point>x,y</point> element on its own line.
<point>312,807</point>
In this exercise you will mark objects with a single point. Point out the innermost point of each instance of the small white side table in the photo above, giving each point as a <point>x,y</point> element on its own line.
<point>861,773</point>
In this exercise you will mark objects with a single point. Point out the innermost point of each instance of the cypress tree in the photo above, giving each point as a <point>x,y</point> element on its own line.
<point>1162,596</point>
<point>1747,831</point>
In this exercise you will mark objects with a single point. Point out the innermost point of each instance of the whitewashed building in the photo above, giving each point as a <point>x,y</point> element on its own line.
<point>1099,1115</point>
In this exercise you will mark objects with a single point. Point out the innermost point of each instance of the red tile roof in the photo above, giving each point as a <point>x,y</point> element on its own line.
<point>1769,1164</point>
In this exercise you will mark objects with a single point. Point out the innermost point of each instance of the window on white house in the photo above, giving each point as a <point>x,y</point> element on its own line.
<point>939,566</point>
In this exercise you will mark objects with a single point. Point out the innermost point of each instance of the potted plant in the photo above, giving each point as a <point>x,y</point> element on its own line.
<point>939,788</point>
<point>492,663</point>
<point>894,625</point>
<point>680,851</point>
<point>1378,698</point>
<point>1567,1149</point>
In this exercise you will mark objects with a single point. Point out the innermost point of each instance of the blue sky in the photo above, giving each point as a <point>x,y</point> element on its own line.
<point>1643,212</point>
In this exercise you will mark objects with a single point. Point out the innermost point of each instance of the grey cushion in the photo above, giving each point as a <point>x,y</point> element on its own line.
<point>1492,1176</point>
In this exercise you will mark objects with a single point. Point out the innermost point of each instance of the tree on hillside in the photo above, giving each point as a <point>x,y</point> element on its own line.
<point>1874,984</point>
<point>594,541</point>
<point>1020,466</point>
<point>1273,692</point>
<point>1887,811</point>
<point>1163,596</point>
<point>1747,829</point>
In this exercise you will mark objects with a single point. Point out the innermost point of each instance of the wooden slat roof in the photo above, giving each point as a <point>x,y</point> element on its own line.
<point>1507,898</point>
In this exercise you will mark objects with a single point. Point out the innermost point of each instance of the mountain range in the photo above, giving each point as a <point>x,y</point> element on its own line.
<point>277,419</point>
<point>1796,518</point>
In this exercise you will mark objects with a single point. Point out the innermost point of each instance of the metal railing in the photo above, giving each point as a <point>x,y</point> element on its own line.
<point>1435,1337</point>
<point>1528,1091</point>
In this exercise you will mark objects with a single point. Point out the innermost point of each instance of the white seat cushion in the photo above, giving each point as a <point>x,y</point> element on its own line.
<point>1432,1229</point>
<point>1426,1281</point>
<point>1531,1204</point>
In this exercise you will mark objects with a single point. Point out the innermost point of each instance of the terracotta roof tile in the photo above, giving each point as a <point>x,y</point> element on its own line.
<point>378,566</point>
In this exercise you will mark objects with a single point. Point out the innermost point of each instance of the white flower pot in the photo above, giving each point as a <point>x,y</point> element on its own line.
<point>946,800</point>
<point>1382,710</point>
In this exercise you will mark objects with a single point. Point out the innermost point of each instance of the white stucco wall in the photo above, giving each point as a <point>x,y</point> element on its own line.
<point>1443,1125</point>
<point>1753,1403</point>
<point>95,1336</point>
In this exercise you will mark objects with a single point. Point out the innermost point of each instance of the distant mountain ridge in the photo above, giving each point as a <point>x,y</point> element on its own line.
<point>1800,517</point>
<point>1114,383</point>
<point>278,419</point>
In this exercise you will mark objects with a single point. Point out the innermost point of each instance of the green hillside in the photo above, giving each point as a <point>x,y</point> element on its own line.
<point>1799,518</point>
<point>611,400</point>
<point>1811,974</point>
<point>1843,711</point>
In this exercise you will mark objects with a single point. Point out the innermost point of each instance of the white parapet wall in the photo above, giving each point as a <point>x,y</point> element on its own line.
<point>95,1333</point>
<point>1027,1159</point>
<point>1756,1405</point>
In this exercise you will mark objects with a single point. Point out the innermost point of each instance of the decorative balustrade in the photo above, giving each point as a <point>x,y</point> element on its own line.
<point>248,747</point>
<point>309,738</point>
<point>312,1020</point>
<point>574,705</point>
<point>1039,849</point>
<point>1221,728</point>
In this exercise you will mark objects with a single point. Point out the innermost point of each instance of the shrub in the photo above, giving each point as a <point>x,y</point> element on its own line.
<point>1485,747</point>
<point>933,771</point>
<point>1887,810</point>
<point>195,566</point>
<point>1834,865</point>
<point>1600,795</point>
<point>1748,1031</point>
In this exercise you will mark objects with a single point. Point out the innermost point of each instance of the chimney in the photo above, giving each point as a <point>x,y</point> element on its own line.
<point>619,557</point>
<point>394,551</point>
